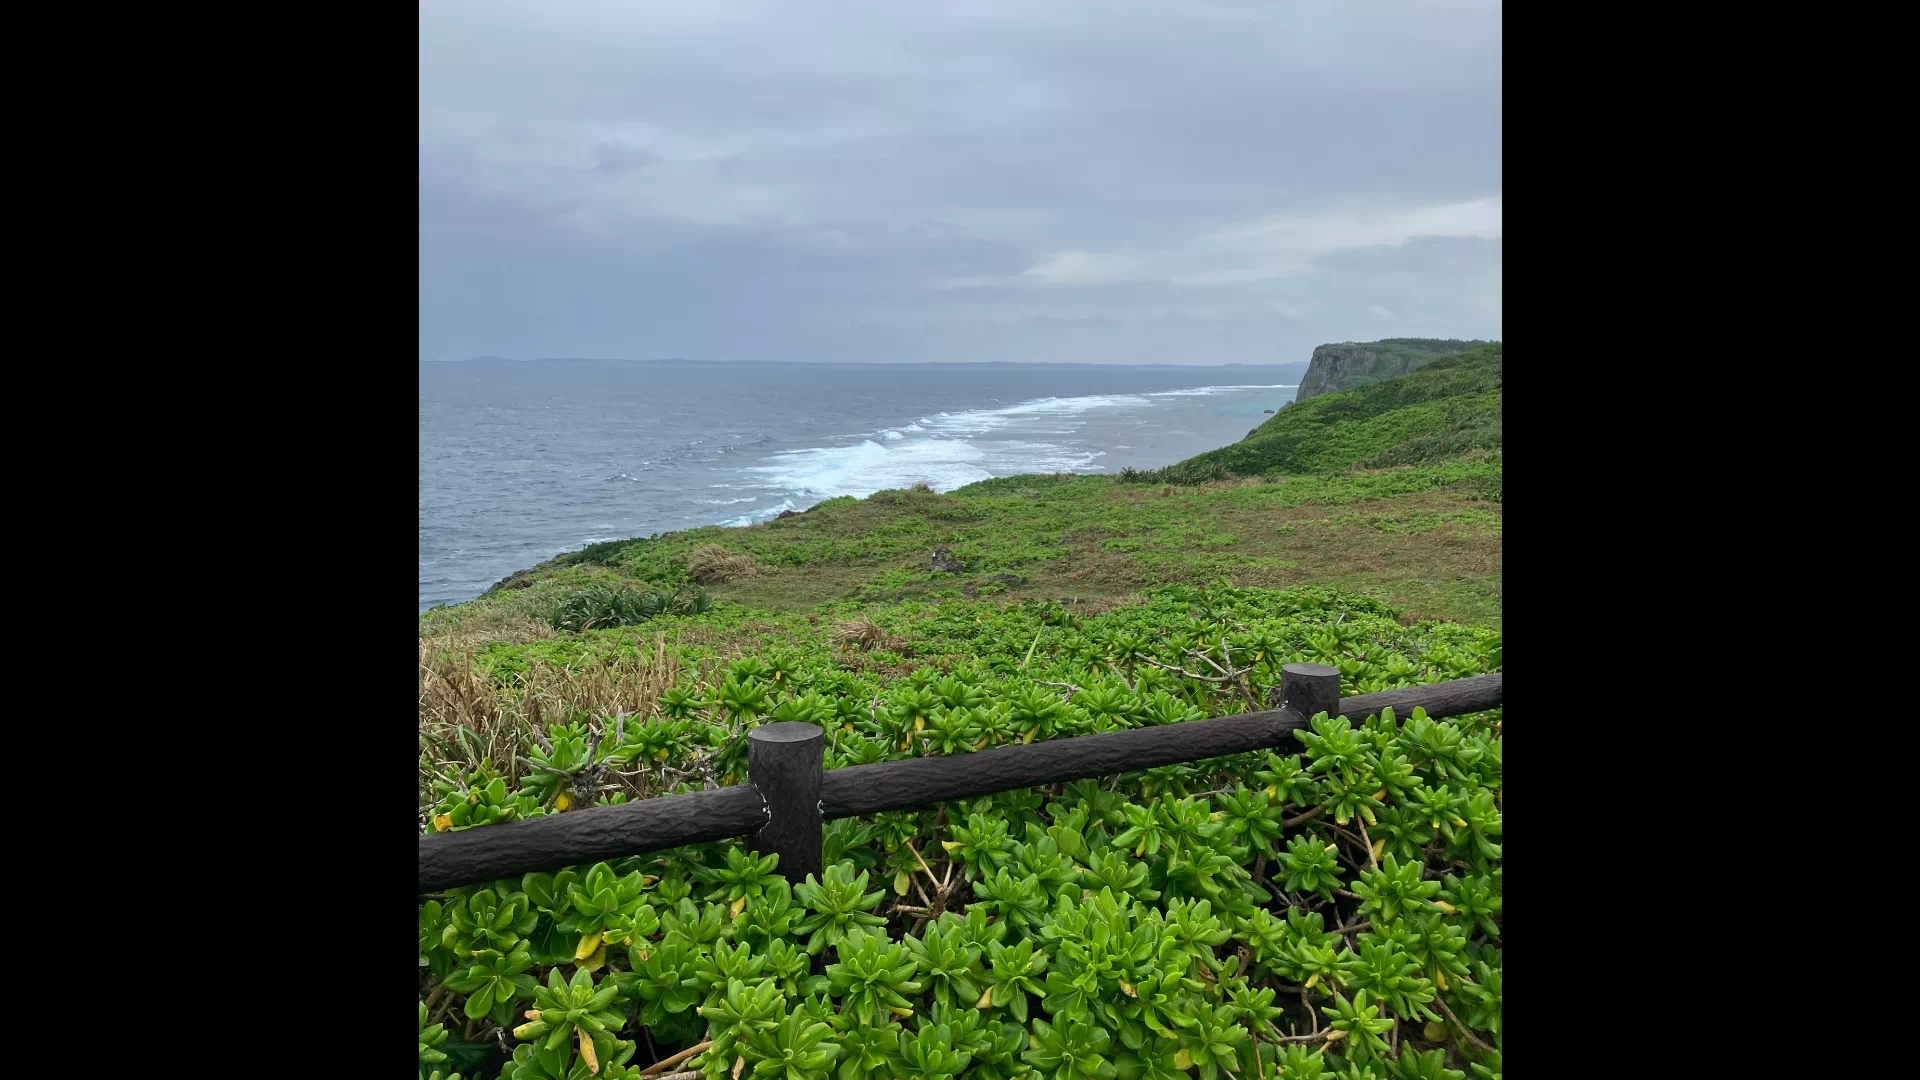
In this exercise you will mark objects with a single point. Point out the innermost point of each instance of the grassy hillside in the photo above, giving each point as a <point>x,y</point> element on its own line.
<point>1447,409</point>
<point>1330,908</point>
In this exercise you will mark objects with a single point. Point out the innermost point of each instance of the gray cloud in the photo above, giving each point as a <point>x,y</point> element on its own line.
<point>1198,182</point>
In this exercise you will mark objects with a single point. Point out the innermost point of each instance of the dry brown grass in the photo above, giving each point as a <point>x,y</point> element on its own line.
<point>711,564</point>
<point>866,635</point>
<point>922,486</point>
<point>467,718</point>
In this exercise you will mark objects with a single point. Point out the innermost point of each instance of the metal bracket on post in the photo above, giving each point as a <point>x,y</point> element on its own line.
<point>1310,688</point>
<point>786,762</point>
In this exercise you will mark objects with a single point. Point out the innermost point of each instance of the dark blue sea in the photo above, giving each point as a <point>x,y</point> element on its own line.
<point>520,461</point>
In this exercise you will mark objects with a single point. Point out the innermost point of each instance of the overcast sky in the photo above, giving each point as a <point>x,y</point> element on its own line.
<point>1184,181</point>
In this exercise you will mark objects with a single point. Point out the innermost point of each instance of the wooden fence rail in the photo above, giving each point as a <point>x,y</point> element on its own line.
<point>788,794</point>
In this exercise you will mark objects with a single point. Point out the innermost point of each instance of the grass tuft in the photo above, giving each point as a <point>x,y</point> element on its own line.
<point>712,564</point>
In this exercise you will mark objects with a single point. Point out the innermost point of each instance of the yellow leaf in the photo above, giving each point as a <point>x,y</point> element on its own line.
<point>1183,1060</point>
<point>1435,1031</point>
<point>949,845</point>
<point>897,1011</point>
<point>919,723</point>
<point>1333,847</point>
<point>1336,1036</point>
<point>1273,791</point>
<point>1379,848</point>
<point>660,754</point>
<point>901,882</point>
<point>777,674</point>
<point>1381,794</point>
<point>1314,978</point>
<point>1142,849</point>
<point>473,798</point>
<point>1439,978</point>
<point>597,961</point>
<point>586,1050</point>
<point>563,801</point>
<point>985,999</point>
<point>442,822</point>
<point>588,943</point>
<point>738,1064</point>
<point>1128,989</point>
<point>1446,907</point>
<point>739,904</point>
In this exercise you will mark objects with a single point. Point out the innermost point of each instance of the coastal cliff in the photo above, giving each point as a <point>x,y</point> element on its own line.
<point>1353,364</point>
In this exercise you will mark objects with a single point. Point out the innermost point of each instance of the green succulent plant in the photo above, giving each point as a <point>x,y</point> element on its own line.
<point>800,1048</point>
<point>950,963</point>
<point>1169,924</point>
<point>493,982</point>
<point>874,977</point>
<point>1015,971</point>
<point>838,904</point>
<point>570,1014</point>
<point>1070,1051</point>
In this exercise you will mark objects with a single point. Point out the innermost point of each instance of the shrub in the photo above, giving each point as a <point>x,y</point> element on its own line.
<point>601,606</point>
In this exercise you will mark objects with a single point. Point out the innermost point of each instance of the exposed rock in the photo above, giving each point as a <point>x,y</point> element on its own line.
<point>945,563</point>
<point>519,579</point>
<point>784,514</point>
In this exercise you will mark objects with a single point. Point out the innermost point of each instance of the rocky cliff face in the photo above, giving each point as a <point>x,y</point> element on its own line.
<point>1357,363</point>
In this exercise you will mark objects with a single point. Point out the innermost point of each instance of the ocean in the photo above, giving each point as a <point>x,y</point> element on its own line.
<point>520,461</point>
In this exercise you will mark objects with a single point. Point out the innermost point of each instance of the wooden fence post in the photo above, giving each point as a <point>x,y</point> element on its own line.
<point>785,761</point>
<point>1310,689</point>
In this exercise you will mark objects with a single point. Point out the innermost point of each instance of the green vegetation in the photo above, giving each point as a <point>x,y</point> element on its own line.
<point>1331,908</point>
<point>1187,918</point>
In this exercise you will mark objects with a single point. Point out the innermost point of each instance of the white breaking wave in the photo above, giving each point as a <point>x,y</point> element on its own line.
<point>949,450</point>
<point>1052,415</point>
<point>754,517</point>
<point>828,472</point>
<point>1209,391</point>
<point>729,502</point>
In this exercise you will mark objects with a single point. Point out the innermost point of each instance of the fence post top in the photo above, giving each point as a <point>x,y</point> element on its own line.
<point>786,731</point>
<point>1321,670</point>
